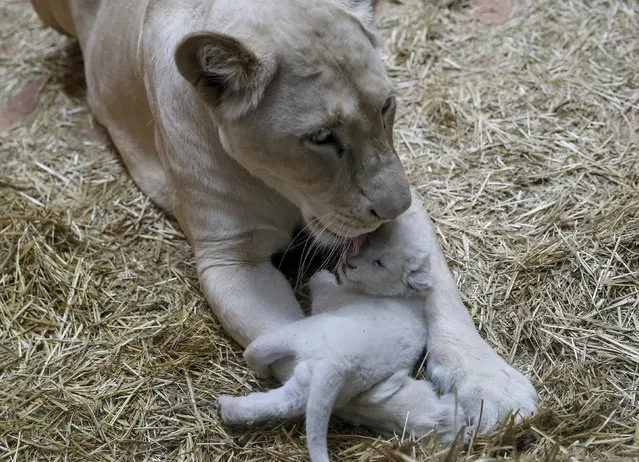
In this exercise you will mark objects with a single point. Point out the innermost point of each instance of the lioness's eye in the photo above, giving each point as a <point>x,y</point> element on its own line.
<point>325,138</point>
<point>388,104</point>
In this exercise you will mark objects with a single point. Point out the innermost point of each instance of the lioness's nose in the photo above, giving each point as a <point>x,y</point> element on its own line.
<point>392,200</point>
<point>390,210</point>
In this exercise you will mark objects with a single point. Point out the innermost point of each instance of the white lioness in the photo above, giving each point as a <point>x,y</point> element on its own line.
<point>247,118</point>
<point>368,330</point>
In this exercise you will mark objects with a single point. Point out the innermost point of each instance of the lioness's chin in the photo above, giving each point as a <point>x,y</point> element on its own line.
<point>331,232</point>
<point>326,237</point>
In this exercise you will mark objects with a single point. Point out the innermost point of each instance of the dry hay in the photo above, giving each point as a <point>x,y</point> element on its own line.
<point>522,136</point>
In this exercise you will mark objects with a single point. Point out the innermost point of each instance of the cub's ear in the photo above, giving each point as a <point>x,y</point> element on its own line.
<point>419,280</point>
<point>224,71</point>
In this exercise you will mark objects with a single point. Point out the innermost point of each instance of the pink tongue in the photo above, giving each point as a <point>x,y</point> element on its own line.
<point>356,245</point>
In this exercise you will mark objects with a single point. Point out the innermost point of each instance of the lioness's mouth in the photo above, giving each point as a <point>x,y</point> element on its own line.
<point>353,249</point>
<point>345,232</point>
<point>347,239</point>
<point>356,245</point>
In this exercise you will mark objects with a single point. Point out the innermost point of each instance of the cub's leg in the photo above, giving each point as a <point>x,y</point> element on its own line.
<point>403,402</point>
<point>271,347</point>
<point>286,402</point>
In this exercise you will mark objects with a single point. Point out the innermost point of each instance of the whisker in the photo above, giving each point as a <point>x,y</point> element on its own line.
<point>336,249</point>
<point>342,251</point>
<point>306,252</point>
<point>293,244</point>
<point>316,247</point>
<point>308,242</point>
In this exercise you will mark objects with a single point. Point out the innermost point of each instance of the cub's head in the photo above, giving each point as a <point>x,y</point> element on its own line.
<point>394,260</point>
<point>300,98</point>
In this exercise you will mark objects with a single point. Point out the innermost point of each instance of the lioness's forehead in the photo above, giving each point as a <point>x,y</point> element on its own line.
<point>321,36</point>
<point>328,69</point>
<point>345,79</point>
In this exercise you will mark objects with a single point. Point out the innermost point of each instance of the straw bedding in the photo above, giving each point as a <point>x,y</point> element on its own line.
<point>524,139</point>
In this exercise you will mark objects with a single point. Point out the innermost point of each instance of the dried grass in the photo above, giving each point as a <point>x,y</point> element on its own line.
<point>523,137</point>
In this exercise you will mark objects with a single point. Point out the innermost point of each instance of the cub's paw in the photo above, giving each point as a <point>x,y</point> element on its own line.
<point>322,278</point>
<point>451,419</point>
<point>227,409</point>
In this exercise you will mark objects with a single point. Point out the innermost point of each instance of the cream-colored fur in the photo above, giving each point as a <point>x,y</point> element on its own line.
<point>245,119</point>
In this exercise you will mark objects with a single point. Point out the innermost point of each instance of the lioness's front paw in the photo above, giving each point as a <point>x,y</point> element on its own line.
<point>487,390</point>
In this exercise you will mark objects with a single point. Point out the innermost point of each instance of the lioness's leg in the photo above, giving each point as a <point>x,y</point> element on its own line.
<point>248,299</point>
<point>460,361</point>
<point>55,14</point>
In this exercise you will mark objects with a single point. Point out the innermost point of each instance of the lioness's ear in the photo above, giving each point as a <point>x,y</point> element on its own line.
<point>224,71</point>
<point>370,5</point>
<point>364,12</point>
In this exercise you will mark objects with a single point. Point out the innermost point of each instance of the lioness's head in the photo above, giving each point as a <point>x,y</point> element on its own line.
<point>301,99</point>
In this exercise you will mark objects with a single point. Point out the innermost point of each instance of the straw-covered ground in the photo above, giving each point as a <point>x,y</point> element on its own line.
<point>522,136</point>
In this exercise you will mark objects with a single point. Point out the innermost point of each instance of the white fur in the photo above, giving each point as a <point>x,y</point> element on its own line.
<point>459,360</point>
<point>354,341</point>
<point>395,259</point>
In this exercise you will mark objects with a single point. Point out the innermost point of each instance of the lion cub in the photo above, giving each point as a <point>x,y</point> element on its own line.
<point>366,328</point>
